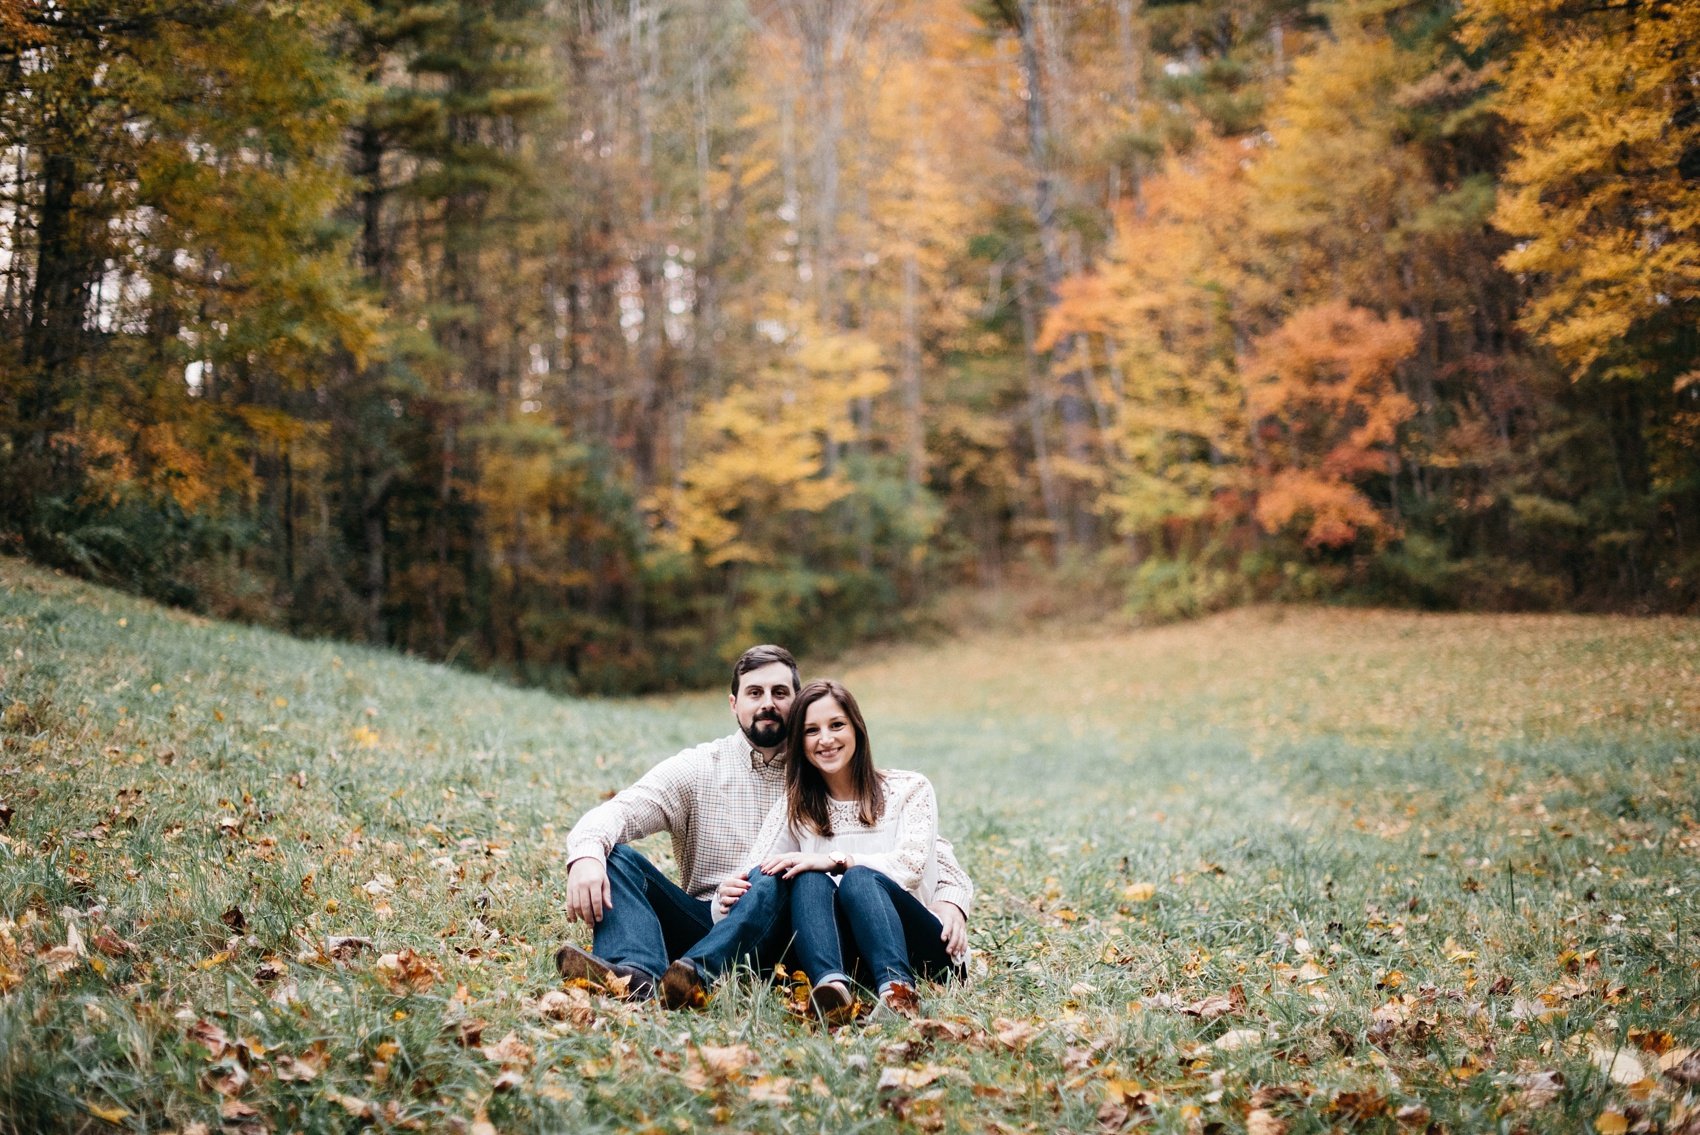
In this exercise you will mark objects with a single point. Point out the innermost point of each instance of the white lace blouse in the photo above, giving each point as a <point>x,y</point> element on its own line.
<point>902,845</point>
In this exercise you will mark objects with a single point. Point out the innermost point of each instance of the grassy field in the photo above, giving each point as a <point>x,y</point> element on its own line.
<point>1279,871</point>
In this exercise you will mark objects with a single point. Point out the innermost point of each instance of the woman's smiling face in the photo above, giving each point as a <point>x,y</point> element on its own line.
<point>828,739</point>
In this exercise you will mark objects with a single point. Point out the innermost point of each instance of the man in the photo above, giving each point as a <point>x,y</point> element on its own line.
<point>711,799</point>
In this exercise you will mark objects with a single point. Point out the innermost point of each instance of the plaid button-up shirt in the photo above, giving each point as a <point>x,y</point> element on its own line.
<point>712,800</point>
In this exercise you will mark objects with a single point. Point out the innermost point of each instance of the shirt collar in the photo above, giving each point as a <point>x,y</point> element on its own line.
<point>758,763</point>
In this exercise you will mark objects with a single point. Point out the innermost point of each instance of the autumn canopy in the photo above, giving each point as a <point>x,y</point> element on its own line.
<point>590,342</point>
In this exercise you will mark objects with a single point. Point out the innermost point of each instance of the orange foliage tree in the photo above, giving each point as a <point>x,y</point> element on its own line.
<point>1320,391</point>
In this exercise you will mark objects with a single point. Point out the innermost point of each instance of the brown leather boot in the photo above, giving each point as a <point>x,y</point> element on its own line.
<point>627,982</point>
<point>682,987</point>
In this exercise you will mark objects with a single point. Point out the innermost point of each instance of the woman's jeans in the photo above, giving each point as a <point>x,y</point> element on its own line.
<point>888,930</point>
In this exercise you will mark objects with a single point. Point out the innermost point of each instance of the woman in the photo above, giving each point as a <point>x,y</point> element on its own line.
<point>861,845</point>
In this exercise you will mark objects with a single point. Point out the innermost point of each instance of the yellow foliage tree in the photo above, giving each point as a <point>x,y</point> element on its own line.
<point>765,452</point>
<point>1605,182</point>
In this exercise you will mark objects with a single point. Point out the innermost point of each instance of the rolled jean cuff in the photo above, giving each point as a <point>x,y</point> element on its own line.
<point>835,975</point>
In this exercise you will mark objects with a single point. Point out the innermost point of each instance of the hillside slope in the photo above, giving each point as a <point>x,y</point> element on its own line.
<point>1420,859</point>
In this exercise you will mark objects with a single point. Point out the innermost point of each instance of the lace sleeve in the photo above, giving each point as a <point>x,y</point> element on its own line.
<point>954,884</point>
<point>917,829</point>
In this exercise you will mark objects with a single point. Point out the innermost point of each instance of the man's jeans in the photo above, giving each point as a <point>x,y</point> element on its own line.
<point>654,921</point>
<point>756,931</point>
<point>891,934</point>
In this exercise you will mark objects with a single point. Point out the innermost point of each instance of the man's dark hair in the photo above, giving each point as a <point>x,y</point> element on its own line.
<point>766,655</point>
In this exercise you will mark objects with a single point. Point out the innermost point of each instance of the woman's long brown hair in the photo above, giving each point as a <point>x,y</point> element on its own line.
<point>805,787</point>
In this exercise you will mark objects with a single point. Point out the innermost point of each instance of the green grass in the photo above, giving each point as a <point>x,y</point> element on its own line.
<point>1494,818</point>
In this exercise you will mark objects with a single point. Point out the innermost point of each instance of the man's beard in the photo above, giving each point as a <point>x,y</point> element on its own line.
<point>766,731</point>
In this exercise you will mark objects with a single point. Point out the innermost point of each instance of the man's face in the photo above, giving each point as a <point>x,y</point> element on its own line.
<point>761,703</point>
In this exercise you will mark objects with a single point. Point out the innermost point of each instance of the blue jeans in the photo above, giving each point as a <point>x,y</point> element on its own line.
<point>892,935</point>
<point>652,920</point>
<point>756,931</point>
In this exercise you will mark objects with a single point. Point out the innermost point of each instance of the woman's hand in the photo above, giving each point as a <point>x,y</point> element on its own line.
<point>727,894</point>
<point>794,863</point>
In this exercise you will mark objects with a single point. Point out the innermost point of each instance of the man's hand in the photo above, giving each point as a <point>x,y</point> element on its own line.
<point>794,863</point>
<point>728,893</point>
<point>588,890</point>
<point>955,932</point>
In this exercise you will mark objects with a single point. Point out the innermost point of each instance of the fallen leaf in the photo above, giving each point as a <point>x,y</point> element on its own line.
<point>726,1061</point>
<point>227,1078</point>
<point>407,969</point>
<point>481,1125</point>
<point>1270,1094</point>
<point>269,970</point>
<point>1238,1038</point>
<point>395,1115</point>
<point>1139,892</point>
<point>111,1113</point>
<point>1622,1065</point>
<point>1611,1123</point>
<point>57,960</point>
<point>898,1051</point>
<point>934,1029</point>
<point>342,947</point>
<point>236,1109</point>
<point>300,1069</point>
<point>1413,1115</point>
<point>771,1089</point>
<point>1209,1008</point>
<point>354,1105</point>
<point>234,918</point>
<point>214,1039</point>
<point>1013,1034</point>
<point>511,1078</point>
<point>510,1051</point>
<point>1360,1105</point>
<point>911,1079</point>
<point>110,944</point>
<point>572,1005</point>
<point>1540,1088</point>
<point>1681,1065</point>
<point>470,1032</point>
<point>1261,1122</point>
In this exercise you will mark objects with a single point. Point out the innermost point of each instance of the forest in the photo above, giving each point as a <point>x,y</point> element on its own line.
<point>588,341</point>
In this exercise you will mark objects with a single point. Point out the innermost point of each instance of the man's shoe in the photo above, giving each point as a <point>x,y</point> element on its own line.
<point>623,981</point>
<point>682,988</point>
<point>833,1002</point>
<point>902,1000</point>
